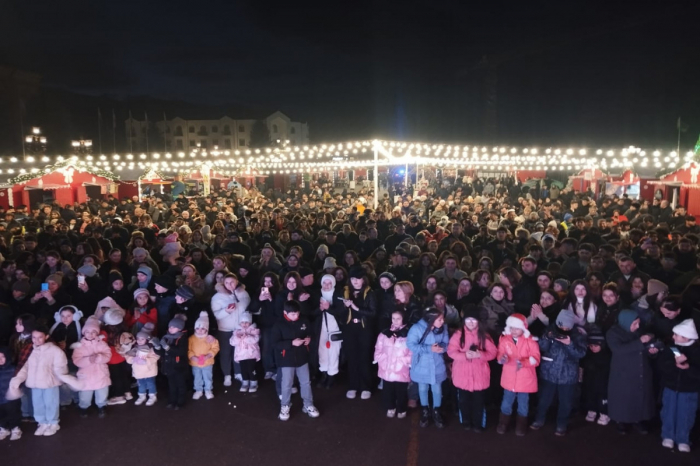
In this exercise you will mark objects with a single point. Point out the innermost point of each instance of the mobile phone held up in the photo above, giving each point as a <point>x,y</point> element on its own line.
<point>44,287</point>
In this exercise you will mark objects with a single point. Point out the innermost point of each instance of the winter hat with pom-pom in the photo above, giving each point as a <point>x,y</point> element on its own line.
<point>686,329</point>
<point>92,323</point>
<point>114,317</point>
<point>178,321</point>
<point>202,321</point>
<point>517,321</point>
<point>171,238</point>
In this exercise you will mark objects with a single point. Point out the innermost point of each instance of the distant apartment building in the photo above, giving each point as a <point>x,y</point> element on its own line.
<point>225,133</point>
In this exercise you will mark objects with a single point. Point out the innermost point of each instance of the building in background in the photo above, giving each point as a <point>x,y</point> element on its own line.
<point>225,133</point>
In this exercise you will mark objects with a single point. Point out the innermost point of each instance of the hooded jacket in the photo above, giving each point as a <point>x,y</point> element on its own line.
<point>392,356</point>
<point>228,322</point>
<point>246,343</point>
<point>520,378</point>
<point>426,365</point>
<point>559,362</point>
<point>91,358</point>
<point>44,367</point>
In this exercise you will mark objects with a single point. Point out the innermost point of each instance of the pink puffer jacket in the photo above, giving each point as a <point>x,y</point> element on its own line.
<point>246,343</point>
<point>521,379</point>
<point>91,357</point>
<point>470,374</point>
<point>393,358</point>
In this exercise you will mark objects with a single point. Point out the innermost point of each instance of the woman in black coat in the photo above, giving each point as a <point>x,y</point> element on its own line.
<point>358,332</point>
<point>630,389</point>
<point>266,314</point>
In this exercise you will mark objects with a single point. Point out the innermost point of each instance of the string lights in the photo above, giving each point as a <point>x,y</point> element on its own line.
<point>288,159</point>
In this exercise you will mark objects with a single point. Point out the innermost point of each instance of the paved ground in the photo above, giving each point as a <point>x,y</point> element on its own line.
<point>242,429</point>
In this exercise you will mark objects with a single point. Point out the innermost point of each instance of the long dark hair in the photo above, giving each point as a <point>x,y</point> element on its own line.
<point>430,316</point>
<point>571,297</point>
<point>300,285</point>
<point>275,282</point>
<point>480,333</point>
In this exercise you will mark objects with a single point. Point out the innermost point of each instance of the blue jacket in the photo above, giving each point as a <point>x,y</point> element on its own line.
<point>559,362</point>
<point>427,366</point>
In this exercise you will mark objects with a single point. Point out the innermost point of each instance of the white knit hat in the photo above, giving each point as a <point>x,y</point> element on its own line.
<point>686,329</point>
<point>246,317</point>
<point>202,321</point>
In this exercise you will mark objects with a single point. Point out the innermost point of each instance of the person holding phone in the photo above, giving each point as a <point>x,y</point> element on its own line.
<point>428,341</point>
<point>679,366</point>
<point>263,308</point>
<point>471,348</point>
<point>561,348</point>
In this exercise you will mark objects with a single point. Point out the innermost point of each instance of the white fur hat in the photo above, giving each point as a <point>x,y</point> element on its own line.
<point>686,329</point>
<point>517,321</point>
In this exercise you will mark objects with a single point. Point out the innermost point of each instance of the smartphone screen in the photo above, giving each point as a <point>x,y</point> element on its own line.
<point>81,279</point>
<point>44,287</point>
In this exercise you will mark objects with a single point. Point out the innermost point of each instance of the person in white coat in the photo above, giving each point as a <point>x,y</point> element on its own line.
<point>329,336</point>
<point>230,301</point>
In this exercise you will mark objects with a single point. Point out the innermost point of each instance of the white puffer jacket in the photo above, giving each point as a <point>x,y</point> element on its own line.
<point>228,322</point>
<point>44,368</point>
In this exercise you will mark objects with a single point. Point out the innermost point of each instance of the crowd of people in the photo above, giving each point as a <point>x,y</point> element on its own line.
<point>471,293</point>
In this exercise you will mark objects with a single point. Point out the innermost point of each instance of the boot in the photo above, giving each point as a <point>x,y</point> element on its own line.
<point>322,380</point>
<point>424,416</point>
<point>520,425</point>
<point>437,418</point>
<point>329,381</point>
<point>503,422</point>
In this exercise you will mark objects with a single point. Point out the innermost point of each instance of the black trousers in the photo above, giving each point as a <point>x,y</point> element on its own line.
<point>471,407</point>
<point>11,414</point>
<point>120,374</point>
<point>395,396</point>
<point>177,388</point>
<point>595,395</point>
<point>358,347</point>
<point>247,369</point>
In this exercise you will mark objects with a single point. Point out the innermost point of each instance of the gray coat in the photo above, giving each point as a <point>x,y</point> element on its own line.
<point>630,390</point>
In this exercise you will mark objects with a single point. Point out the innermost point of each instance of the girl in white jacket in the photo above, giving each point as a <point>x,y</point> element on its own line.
<point>229,302</point>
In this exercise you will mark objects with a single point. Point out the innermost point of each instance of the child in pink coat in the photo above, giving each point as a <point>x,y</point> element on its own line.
<point>394,360</point>
<point>246,341</point>
<point>91,356</point>
<point>471,349</point>
<point>519,354</point>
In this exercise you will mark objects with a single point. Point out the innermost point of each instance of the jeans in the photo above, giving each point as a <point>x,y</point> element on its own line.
<point>27,406</point>
<point>678,415</point>
<point>437,394</point>
<point>101,395</point>
<point>147,385</point>
<point>508,400</point>
<point>302,374</point>
<point>203,377</point>
<point>547,390</point>
<point>67,395</point>
<point>46,403</point>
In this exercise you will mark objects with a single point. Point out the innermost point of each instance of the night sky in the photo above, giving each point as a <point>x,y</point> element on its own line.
<point>594,73</point>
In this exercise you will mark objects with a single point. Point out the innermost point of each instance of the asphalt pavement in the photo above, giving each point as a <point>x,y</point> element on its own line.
<point>243,429</point>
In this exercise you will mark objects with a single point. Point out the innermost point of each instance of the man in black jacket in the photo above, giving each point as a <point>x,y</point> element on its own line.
<point>291,336</point>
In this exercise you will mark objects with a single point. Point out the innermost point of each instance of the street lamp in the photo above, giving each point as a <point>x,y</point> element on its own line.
<point>82,146</point>
<point>35,143</point>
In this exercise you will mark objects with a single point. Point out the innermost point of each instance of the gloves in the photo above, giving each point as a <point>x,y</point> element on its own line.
<point>155,341</point>
<point>164,345</point>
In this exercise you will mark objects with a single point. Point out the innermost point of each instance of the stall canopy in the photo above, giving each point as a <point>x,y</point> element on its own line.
<point>680,187</point>
<point>65,183</point>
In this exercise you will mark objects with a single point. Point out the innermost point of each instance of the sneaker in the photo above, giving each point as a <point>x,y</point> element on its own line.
<point>227,381</point>
<point>391,413</point>
<point>101,413</point>
<point>197,395</point>
<point>351,394</point>
<point>83,413</point>
<point>51,429</point>
<point>401,415</point>
<point>684,447</point>
<point>152,398</point>
<point>284,413</point>
<point>560,432</point>
<point>253,386</point>
<point>41,429</point>
<point>117,400</point>
<point>274,377</point>
<point>536,426</point>
<point>269,375</point>
<point>381,384</point>
<point>604,420</point>
<point>244,386</point>
<point>128,396</point>
<point>311,411</point>
<point>238,377</point>
<point>16,434</point>
<point>366,395</point>
<point>4,433</point>
<point>141,399</point>
<point>590,417</point>
<point>209,394</point>
<point>295,390</point>
<point>667,443</point>
<point>28,419</point>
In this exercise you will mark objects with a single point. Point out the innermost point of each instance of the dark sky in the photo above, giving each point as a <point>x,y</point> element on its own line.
<point>577,71</point>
